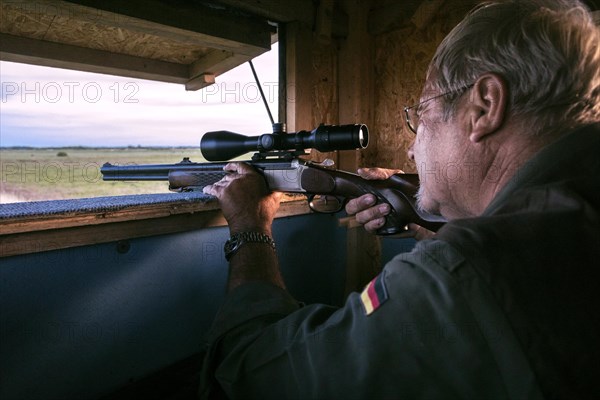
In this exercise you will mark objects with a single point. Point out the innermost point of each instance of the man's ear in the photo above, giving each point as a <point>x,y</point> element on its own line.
<point>488,100</point>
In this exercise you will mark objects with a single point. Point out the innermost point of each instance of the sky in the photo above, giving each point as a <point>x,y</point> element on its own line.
<point>51,107</point>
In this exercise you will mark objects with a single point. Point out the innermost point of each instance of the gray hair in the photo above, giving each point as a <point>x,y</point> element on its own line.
<point>548,52</point>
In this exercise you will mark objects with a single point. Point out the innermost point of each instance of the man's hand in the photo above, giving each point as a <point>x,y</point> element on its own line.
<point>372,215</point>
<point>246,202</point>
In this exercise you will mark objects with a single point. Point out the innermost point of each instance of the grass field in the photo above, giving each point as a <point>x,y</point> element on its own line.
<point>32,174</point>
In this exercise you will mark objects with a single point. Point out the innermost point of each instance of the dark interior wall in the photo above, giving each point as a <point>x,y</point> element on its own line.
<point>81,322</point>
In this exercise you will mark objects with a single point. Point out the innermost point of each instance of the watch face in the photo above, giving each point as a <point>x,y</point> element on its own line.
<point>232,244</point>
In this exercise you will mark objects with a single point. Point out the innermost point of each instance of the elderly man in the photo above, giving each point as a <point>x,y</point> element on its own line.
<point>502,302</point>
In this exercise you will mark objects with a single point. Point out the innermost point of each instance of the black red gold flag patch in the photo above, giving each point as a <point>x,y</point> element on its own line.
<point>374,294</point>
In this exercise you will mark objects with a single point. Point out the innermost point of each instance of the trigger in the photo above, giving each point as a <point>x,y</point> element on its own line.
<point>326,163</point>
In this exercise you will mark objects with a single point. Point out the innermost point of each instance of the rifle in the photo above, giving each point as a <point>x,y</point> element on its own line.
<point>278,160</point>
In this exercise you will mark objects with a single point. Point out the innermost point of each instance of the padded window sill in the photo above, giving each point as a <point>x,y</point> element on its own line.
<point>49,225</point>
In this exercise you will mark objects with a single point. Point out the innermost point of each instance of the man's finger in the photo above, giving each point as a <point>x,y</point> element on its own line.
<point>216,189</point>
<point>375,224</point>
<point>210,190</point>
<point>371,173</point>
<point>373,213</point>
<point>239,168</point>
<point>378,173</point>
<point>360,203</point>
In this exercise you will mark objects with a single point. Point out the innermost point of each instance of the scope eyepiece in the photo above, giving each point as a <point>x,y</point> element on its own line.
<point>225,145</point>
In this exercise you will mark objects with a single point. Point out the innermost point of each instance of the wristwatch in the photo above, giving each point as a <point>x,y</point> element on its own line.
<point>237,240</point>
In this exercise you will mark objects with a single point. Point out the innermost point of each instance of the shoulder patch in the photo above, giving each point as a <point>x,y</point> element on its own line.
<point>374,294</point>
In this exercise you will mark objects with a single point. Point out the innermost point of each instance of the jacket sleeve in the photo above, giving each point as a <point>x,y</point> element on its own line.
<point>411,333</point>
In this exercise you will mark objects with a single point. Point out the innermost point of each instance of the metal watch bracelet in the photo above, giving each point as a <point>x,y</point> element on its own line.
<point>238,239</point>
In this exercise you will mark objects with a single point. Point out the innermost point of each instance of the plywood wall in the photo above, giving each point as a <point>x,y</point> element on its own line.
<point>311,82</point>
<point>401,60</point>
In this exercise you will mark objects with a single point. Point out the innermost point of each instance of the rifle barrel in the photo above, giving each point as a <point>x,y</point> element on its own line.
<point>160,172</point>
<point>152,172</point>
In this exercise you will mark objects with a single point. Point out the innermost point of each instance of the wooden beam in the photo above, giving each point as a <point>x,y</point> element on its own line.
<point>206,64</point>
<point>302,11</point>
<point>324,20</point>
<point>24,235</point>
<point>50,54</point>
<point>275,10</point>
<point>200,82</point>
<point>282,74</point>
<point>54,239</point>
<point>43,222</point>
<point>184,22</point>
<point>356,77</point>
<point>173,44</point>
<point>213,64</point>
<point>426,12</point>
<point>356,105</point>
<point>299,102</point>
<point>391,16</point>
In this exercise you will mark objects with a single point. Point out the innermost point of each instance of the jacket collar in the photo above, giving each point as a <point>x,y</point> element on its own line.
<point>575,155</point>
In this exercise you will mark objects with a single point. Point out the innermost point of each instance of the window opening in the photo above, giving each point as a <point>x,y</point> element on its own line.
<point>58,127</point>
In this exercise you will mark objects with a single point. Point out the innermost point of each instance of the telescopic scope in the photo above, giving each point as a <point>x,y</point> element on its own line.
<point>225,145</point>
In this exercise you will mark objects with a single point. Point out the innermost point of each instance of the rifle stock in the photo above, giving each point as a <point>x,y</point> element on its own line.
<point>399,191</point>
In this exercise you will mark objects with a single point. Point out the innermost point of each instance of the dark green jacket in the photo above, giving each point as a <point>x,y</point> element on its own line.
<point>505,305</point>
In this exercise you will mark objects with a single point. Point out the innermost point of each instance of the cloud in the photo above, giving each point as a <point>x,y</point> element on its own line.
<point>42,106</point>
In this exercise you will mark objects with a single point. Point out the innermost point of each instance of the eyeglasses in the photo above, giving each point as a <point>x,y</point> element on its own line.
<point>412,112</point>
